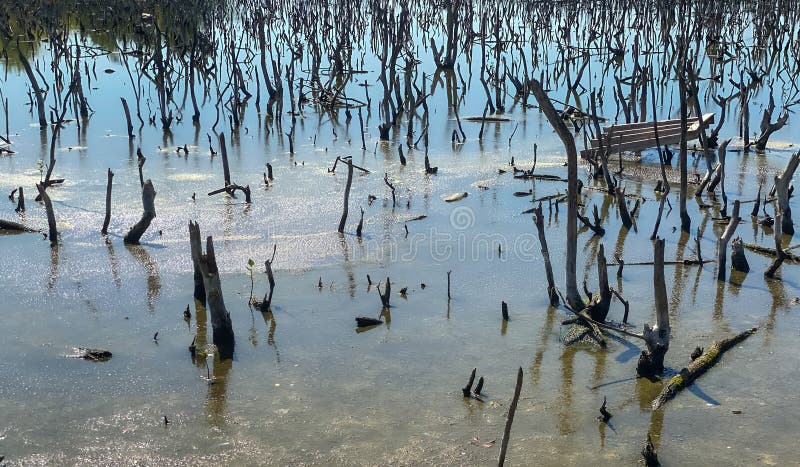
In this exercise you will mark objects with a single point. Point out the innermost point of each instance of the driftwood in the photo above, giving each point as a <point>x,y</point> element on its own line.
<point>772,252</point>
<point>207,265</point>
<point>15,226</point>
<point>698,366</point>
<point>510,419</point>
<point>148,201</point>
<point>364,321</point>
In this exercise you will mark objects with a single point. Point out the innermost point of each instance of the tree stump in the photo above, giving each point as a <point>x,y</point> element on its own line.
<point>148,201</point>
<point>207,265</point>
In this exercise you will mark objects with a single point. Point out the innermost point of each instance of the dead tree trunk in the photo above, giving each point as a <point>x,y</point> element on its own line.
<point>51,217</point>
<point>698,366</point>
<point>127,117</point>
<point>37,91</point>
<point>345,209</point>
<point>148,202</point>
<point>538,219</point>
<point>738,259</point>
<point>546,106</point>
<point>722,247</point>
<point>782,183</point>
<point>624,215</point>
<point>20,201</point>
<point>207,265</point>
<point>656,338</point>
<point>600,303</point>
<point>199,286</point>
<point>686,221</point>
<point>768,128</point>
<point>107,219</point>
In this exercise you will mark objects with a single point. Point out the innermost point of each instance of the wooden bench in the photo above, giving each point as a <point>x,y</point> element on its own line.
<point>633,137</point>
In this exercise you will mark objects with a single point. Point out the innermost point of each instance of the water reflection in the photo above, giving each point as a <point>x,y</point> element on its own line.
<point>141,254</point>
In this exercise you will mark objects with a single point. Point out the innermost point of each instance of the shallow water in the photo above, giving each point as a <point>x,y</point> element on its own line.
<point>305,387</point>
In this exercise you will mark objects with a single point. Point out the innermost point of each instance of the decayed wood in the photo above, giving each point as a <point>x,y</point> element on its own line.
<point>37,91</point>
<point>148,202</point>
<point>20,201</point>
<point>782,183</point>
<point>722,246</point>
<point>623,208</point>
<point>738,259</point>
<point>107,219</point>
<point>206,263</point>
<point>651,361</point>
<point>767,127</point>
<point>698,366</point>
<point>127,117</point>
<point>601,301</point>
<point>229,188</point>
<point>510,419</point>
<point>51,218</point>
<point>546,106</point>
<point>538,219</point>
<point>386,294</point>
<point>15,226</point>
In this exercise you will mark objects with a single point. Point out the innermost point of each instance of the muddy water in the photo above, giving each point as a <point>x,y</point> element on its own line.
<point>305,387</point>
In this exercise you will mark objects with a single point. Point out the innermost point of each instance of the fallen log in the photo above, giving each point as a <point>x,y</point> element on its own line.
<point>15,226</point>
<point>772,252</point>
<point>699,366</point>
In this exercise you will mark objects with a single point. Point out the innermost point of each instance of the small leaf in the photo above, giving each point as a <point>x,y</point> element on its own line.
<point>250,262</point>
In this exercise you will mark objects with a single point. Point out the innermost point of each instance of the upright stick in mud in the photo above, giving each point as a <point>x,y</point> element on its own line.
<point>345,209</point>
<point>107,219</point>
